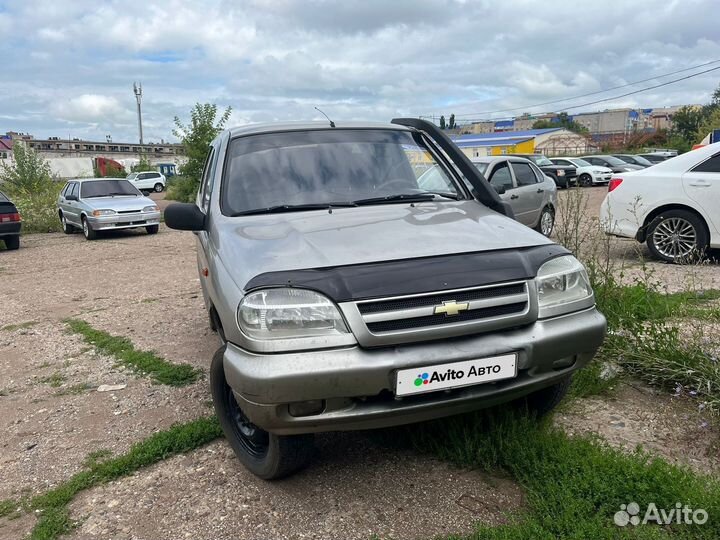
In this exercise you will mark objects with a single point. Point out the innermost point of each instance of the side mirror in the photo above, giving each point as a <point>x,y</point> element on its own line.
<point>71,197</point>
<point>499,189</point>
<point>184,217</point>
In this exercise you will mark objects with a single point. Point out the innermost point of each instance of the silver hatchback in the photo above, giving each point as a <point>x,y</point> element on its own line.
<point>103,204</point>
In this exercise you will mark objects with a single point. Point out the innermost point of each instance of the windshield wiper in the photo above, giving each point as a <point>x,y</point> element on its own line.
<point>294,208</point>
<point>408,197</point>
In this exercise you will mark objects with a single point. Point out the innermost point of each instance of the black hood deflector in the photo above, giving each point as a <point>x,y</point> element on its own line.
<point>414,276</point>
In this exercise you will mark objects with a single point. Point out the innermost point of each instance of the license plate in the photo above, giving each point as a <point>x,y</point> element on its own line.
<point>561,173</point>
<point>455,374</point>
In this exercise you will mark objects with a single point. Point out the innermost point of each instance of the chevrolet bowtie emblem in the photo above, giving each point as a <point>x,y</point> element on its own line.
<point>451,307</point>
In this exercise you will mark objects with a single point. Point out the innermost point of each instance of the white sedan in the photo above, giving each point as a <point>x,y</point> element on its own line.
<point>587,173</point>
<point>674,206</point>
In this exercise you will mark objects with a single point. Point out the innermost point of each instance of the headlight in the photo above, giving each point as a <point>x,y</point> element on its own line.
<point>563,286</point>
<point>598,172</point>
<point>108,212</point>
<point>150,209</point>
<point>292,319</point>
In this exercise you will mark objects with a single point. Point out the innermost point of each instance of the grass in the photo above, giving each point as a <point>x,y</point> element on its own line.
<point>75,389</point>
<point>52,507</point>
<point>574,485</point>
<point>54,380</point>
<point>145,362</point>
<point>19,326</point>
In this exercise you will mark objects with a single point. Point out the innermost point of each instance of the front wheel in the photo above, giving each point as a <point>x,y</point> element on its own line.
<point>543,401</point>
<point>546,222</point>
<point>585,180</point>
<point>152,229</point>
<point>88,231</point>
<point>264,454</point>
<point>159,187</point>
<point>677,236</point>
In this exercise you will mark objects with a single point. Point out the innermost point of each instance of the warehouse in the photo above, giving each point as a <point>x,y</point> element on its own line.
<point>551,142</point>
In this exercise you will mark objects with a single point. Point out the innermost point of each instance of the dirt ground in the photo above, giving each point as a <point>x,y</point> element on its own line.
<point>146,288</point>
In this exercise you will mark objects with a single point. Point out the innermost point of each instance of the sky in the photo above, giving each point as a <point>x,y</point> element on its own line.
<point>67,68</point>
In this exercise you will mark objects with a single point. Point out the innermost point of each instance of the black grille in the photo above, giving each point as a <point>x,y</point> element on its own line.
<point>129,211</point>
<point>435,320</point>
<point>437,299</point>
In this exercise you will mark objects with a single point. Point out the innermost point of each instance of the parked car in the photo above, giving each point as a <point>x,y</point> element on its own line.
<point>611,162</point>
<point>674,206</point>
<point>634,160</point>
<point>10,223</point>
<point>147,181</point>
<point>656,158</point>
<point>587,173</point>
<point>519,182</point>
<point>103,204</point>
<point>335,280</point>
<point>561,174</point>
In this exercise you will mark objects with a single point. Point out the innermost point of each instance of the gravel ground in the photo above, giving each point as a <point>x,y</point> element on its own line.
<point>146,288</point>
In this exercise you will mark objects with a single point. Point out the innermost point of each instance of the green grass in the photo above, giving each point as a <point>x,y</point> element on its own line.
<point>75,389</point>
<point>54,380</point>
<point>52,506</point>
<point>574,485</point>
<point>19,326</point>
<point>145,362</point>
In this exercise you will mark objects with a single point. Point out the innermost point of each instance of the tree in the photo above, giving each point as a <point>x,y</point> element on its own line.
<point>26,171</point>
<point>451,124</point>
<point>686,122</point>
<point>442,122</point>
<point>197,136</point>
<point>143,165</point>
<point>562,121</point>
<point>711,122</point>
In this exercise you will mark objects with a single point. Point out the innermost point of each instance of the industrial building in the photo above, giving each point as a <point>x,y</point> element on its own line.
<point>551,142</point>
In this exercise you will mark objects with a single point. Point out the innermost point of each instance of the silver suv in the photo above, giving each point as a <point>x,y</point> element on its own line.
<point>350,295</point>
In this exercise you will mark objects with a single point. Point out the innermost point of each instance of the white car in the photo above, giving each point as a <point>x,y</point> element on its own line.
<point>674,206</point>
<point>587,173</point>
<point>147,181</point>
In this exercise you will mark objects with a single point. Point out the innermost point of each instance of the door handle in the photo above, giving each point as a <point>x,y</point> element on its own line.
<point>514,196</point>
<point>699,183</point>
<point>540,190</point>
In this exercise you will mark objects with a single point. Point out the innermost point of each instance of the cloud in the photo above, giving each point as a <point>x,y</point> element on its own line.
<point>69,67</point>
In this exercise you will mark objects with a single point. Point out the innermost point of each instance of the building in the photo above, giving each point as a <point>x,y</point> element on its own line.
<point>6,147</point>
<point>56,147</point>
<point>552,142</point>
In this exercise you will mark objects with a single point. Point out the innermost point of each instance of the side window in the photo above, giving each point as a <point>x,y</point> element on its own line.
<point>561,162</point>
<point>206,187</point>
<point>143,176</point>
<point>539,175</point>
<point>73,189</point>
<point>501,176</point>
<point>65,190</point>
<point>524,174</point>
<point>711,165</point>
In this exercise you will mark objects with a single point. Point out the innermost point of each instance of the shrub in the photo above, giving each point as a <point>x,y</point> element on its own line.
<point>181,188</point>
<point>30,185</point>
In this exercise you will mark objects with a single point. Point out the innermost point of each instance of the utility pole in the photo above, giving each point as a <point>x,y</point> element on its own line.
<point>137,88</point>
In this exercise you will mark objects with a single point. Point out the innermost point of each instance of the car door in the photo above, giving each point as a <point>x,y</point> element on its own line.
<point>702,185</point>
<point>206,253</point>
<point>142,181</point>
<point>71,208</point>
<point>500,176</point>
<point>529,195</point>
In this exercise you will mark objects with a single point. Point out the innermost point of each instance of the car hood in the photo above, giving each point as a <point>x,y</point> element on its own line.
<point>590,168</point>
<point>119,203</point>
<point>252,245</point>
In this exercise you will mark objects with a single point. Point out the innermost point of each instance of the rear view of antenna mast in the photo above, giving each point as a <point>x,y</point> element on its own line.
<point>137,88</point>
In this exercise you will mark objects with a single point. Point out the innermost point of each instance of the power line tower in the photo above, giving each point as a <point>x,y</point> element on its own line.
<point>137,89</point>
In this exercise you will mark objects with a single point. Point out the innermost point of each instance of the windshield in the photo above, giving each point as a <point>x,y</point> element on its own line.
<point>641,161</point>
<point>131,176</point>
<point>615,162</point>
<point>542,161</point>
<point>107,188</point>
<point>482,167</point>
<point>580,162</point>
<point>326,167</point>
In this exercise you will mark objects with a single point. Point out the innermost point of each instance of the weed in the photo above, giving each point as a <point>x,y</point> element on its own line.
<point>52,506</point>
<point>54,380</point>
<point>145,362</point>
<point>95,457</point>
<point>75,389</point>
<point>19,326</point>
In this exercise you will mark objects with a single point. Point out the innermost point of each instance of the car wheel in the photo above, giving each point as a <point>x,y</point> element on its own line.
<point>677,236</point>
<point>557,182</point>
<point>152,229</point>
<point>66,227</point>
<point>264,454</point>
<point>546,222</point>
<point>12,242</point>
<point>542,401</point>
<point>159,187</point>
<point>88,231</point>
<point>585,180</point>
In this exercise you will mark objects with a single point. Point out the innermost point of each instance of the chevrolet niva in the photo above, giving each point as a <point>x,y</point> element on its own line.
<point>350,294</point>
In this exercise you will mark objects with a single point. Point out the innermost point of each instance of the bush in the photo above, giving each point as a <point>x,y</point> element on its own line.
<point>181,189</point>
<point>30,185</point>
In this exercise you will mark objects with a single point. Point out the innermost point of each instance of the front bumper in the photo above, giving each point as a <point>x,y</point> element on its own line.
<point>602,178</point>
<point>357,385</point>
<point>124,221</point>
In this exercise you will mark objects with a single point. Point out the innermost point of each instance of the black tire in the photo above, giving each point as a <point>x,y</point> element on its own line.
<point>560,185</point>
<point>548,215</point>
<point>12,242</point>
<point>543,401</point>
<point>158,187</point>
<point>152,229</point>
<point>585,180</point>
<point>215,324</point>
<point>88,232</point>
<point>66,227</point>
<point>264,454</point>
<point>692,241</point>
